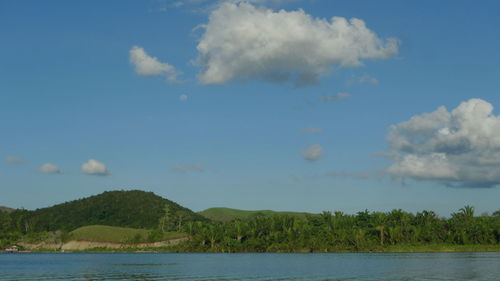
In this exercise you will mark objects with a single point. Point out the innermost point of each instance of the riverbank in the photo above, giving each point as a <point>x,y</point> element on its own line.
<point>441,248</point>
<point>170,247</point>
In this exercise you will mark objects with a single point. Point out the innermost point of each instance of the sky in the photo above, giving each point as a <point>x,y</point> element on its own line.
<point>312,105</point>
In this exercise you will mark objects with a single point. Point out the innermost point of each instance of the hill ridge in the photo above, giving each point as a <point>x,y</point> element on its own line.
<point>229,214</point>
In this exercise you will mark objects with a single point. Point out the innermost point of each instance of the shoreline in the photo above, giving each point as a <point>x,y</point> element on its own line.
<point>389,250</point>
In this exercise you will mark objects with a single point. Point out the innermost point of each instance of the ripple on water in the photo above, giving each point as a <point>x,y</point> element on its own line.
<point>252,267</point>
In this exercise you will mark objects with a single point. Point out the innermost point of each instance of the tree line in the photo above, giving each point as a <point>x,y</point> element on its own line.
<point>332,232</point>
<point>325,232</point>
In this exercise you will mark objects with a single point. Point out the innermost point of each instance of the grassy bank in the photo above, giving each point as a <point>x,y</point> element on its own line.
<point>103,233</point>
<point>113,234</point>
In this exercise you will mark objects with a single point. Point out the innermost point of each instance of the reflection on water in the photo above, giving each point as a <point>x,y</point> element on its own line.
<point>201,267</point>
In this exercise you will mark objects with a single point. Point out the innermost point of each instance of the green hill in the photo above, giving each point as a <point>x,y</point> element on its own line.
<point>228,214</point>
<point>134,209</point>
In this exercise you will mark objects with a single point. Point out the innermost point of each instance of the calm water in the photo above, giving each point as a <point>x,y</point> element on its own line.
<point>432,266</point>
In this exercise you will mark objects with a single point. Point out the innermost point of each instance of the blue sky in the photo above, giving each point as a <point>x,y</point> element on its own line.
<point>70,92</point>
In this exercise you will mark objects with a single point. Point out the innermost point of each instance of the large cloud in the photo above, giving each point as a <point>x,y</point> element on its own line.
<point>146,65</point>
<point>241,41</point>
<point>457,148</point>
<point>94,167</point>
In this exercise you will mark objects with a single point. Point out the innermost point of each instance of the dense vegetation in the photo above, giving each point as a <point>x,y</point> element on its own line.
<point>137,216</point>
<point>228,214</point>
<point>364,231</point>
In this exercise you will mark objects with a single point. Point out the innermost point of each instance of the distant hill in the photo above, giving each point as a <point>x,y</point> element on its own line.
<point>134,209</point>
<point>6,209</point>
<point>228,214</point>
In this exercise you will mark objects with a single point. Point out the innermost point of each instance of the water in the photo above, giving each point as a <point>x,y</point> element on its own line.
<point>416,266</point>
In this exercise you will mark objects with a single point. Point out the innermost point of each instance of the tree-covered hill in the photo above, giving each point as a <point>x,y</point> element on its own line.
<point>135,209</point>
<point>228,214</point>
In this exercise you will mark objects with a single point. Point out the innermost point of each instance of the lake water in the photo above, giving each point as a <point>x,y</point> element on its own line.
<point>416,266</point>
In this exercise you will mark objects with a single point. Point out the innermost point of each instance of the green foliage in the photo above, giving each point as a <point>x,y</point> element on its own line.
<point>496,214</point>
<point>155,235</point>
<point>173,220</point>
<point>364,231</point>
<point>46,237</point>
<point>136,216</point>
<point>228,214</point>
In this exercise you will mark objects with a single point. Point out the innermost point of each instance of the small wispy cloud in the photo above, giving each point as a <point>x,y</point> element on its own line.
<point>359,175</point>
<point>349,175</point>
<point>188,168</point>
<point>311,130</point>
<point>364,79</point>
<point>183,97</point>
<point>13,160</point>
<point>336,97</point>
<point>162,6</point>
<point>49,168</point>
<point>313,153</point>
<point>177,4</point>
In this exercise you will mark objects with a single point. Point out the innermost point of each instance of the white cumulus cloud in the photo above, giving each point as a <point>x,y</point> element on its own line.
<point>458,148</point>
<point>146,65</point>
<point>313,153</point>
<point>49,168</point>
<point>242,42</point>
<point>94,167</point>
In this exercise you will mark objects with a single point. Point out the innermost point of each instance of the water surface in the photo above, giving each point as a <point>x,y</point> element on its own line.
<point>401,266</point>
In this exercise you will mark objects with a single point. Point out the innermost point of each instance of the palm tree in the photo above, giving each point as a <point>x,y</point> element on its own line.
<point>467,211</point>
<point>379,219</point>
